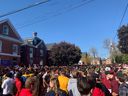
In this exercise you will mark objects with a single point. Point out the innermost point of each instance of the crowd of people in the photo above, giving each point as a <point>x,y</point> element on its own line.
<point>89,80</point>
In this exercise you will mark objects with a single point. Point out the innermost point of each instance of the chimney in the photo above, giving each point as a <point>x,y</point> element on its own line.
<point>34,34</point>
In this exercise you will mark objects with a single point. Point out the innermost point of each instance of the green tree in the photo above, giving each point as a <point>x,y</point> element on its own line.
<point>123,39</point>
<point>119,59</point>
<point>64,54</point>
<point>125,58</point>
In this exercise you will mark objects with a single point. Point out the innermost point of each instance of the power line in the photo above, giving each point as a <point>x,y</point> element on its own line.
<point>19,10</point>
<point>122,18</point>
<point>58,14</point>
<point>84,2</point>
<point>123,15</point>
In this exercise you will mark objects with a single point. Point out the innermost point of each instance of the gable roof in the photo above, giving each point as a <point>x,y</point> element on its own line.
<point>35,46</point>
<point>12,27</point>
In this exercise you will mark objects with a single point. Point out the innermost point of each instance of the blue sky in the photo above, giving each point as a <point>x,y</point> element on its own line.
<point>87,26</point>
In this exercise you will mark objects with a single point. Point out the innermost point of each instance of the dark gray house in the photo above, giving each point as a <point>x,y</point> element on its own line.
<point>33,51</point>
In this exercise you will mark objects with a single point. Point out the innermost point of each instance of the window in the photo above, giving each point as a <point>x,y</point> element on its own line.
<point>0,46</point>
<point>31,61</point>
<point>31,52</point>
<point>41,62</point>
<point>14,61</point>
<point>5,29</point>
<point>15,49</point>
<point>29,41</point>
<point>41,52</point>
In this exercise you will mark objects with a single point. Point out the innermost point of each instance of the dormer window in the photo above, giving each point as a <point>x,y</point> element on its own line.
<point>5,30</point>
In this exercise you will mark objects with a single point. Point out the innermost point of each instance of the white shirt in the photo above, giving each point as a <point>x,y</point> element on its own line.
<point>72,86</point>
<point>7,86</point>
<point>44,75</point>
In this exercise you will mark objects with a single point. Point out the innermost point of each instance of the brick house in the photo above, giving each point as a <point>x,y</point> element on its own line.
<point>10,42</point>
<point>106,61</point>
<point>96,61</point>
<point>33,51</point>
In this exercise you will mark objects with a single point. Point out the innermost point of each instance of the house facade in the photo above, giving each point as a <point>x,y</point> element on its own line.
<point>106,61</point>
<point>33,52</point>
<point>10,42</point>
<point>96,61</point>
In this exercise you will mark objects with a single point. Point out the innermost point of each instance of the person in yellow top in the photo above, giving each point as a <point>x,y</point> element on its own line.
<point>63,81</point>
<point>26,75</point>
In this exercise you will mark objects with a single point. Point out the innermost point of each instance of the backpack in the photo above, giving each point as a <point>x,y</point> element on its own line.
<point>62,93</point>
<point>104,89</point>
<point>70,93</point>
<point>50,93</point>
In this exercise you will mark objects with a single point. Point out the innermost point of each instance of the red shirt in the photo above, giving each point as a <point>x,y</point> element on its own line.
<point>115,86</point>
<point>107,83</point>
<point>97,92</point>
<point>25,92</point>
<point>18,86</point>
